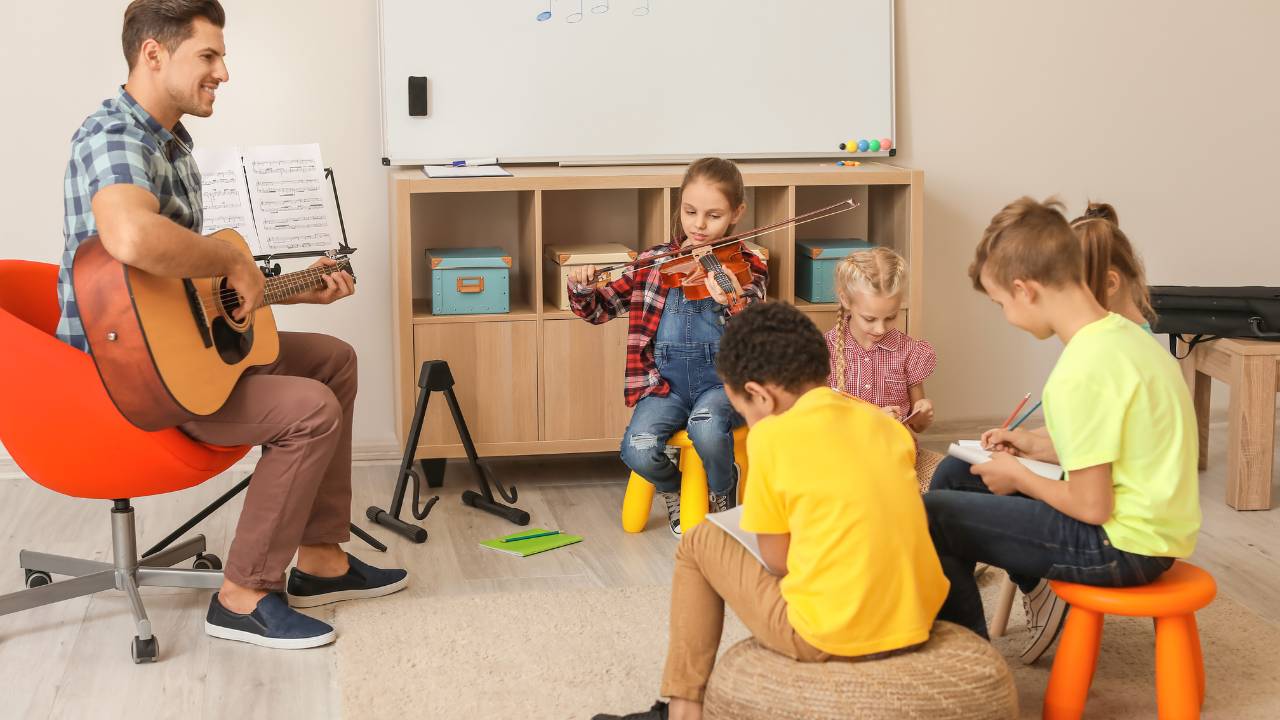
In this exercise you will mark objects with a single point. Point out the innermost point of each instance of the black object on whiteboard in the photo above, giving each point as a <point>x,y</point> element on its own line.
<point>417,96</point>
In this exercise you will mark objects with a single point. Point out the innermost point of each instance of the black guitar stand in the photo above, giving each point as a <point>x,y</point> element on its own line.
<point>435,377</point>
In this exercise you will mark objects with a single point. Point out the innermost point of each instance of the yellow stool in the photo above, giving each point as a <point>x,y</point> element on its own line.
<point>693,485</point>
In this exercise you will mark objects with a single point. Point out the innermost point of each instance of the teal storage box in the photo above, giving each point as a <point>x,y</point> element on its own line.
<point>469,281</point>
<point>816,266</point>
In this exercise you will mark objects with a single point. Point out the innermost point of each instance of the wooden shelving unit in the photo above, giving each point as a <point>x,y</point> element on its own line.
<point>539,380</point>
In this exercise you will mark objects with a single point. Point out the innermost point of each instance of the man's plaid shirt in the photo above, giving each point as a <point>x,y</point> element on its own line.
<point>640,294</point>
<point>121,143</point>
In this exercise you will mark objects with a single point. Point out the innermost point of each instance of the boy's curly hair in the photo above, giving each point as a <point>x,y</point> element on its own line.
<point>772,342</point>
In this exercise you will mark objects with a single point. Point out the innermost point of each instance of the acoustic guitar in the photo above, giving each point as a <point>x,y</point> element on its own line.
<point>169,349</point>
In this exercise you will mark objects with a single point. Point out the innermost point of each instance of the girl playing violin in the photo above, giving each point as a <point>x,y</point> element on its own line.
<point>672,338</point>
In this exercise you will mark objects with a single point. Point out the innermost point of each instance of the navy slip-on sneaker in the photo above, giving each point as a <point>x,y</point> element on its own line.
<point>272,624</point>
<point>361,581</point>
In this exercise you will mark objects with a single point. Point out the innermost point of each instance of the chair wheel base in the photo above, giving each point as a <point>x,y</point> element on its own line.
<point>37,578</point>
<point>207,561</point>
<point>145,651</point>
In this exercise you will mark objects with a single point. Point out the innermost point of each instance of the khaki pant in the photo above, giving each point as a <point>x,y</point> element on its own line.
<point>299,409</point>
<point>713,569</point>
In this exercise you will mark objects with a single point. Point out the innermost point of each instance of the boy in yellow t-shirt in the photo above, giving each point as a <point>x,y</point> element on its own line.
<point>1120,422</point>
<point>851,568</point>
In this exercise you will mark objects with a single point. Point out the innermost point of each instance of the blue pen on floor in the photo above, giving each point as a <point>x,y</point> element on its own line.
<point>530,537</point>
<point>1025,415</point>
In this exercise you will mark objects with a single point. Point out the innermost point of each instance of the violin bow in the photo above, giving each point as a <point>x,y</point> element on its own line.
<point>820,213</point>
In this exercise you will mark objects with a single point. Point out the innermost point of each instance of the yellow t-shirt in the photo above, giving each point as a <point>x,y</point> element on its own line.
<point>1115,396</point>
<point>839,475</point>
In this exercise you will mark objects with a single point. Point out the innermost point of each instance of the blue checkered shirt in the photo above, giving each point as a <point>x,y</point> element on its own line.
<point>122,143</point>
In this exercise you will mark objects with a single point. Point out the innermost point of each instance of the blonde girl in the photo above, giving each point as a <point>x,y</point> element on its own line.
<point>870,358</point>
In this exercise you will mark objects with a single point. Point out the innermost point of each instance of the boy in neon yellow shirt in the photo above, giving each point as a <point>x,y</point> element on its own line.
<point>1120,422</point>
<point>832,495</point>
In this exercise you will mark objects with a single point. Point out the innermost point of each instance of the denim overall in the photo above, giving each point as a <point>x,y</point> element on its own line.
<point>685,351</point>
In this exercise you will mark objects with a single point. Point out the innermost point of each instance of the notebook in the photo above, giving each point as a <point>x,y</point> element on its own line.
<point>971,452</point>
<point>731,522</point>
<point>533,546</point>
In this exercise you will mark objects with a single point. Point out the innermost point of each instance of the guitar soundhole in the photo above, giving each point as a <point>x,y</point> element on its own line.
<point>233,339</point>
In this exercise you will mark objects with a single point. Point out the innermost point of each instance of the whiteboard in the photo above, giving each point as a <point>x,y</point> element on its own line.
<point>619,80</point>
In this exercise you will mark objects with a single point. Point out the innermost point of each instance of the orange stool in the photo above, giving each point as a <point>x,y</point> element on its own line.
<point>1172,601</point>
<point>693,485</point>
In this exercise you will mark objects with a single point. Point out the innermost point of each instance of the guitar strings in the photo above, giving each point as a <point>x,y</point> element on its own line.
<point>294,282</point>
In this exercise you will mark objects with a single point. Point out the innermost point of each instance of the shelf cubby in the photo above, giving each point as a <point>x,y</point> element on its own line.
<point>538,379</point>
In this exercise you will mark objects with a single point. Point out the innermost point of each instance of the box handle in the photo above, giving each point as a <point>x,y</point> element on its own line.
<point>471,284</point>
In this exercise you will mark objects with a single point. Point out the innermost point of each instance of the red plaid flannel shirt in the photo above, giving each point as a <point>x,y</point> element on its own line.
<point>883,374</point>
<point>640,294</point>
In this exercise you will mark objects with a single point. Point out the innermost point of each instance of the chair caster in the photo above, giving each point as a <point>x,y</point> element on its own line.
<point>145,651</point>
<point>36,578</point>
<point>207,561</point>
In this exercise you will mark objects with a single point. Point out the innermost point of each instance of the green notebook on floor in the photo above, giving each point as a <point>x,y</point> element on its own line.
<point>533,545</point>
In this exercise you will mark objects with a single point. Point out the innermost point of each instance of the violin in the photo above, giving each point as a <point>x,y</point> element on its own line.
<point>721,259</point>
<point>725,265</point>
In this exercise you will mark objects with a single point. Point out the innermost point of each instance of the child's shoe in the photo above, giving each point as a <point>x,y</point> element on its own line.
<point>657,712</point>
<point>1045,615</point>
<point>672,500</point>
<point>720,503</point>
<point>728,501</point>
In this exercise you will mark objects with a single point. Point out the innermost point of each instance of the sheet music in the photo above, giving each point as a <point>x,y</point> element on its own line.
<point>293,206</point>
<point>225,193</point>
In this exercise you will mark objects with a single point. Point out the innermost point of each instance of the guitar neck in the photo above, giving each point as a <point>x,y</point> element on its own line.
<point>279,289</point>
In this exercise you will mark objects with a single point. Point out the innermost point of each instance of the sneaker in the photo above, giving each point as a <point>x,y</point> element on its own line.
<point>673,454</point>
<point>361,581</point>
<point>672,500</point>
<point>1045,615</point>
<point>272,624</point>
<point>720,503</point>
<point>657,712</point>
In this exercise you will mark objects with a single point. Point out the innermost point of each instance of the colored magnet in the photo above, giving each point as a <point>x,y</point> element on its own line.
<point>863,145</point>
<point>874,145</point>
<point>885,143</point>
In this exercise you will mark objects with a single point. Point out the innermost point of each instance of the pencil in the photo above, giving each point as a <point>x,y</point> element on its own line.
<point>1025,415</point>
<point>1015,412</point>
<point>530,537</point>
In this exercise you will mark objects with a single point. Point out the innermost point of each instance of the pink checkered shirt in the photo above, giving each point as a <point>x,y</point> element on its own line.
<point>883,374</point>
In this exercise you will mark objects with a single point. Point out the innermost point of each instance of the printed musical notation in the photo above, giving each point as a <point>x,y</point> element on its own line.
<point>275,196</point>
<point>225,195</point>
<point>293,207</point>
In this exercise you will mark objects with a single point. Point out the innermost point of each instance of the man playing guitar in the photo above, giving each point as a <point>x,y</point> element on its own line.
<point>132,181</point>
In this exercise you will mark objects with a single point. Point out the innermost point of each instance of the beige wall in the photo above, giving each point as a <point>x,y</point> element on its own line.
<point>1161,108</point>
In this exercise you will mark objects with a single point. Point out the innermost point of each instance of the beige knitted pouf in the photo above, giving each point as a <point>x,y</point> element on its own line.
<point>955,675</point>
<point>926,462</point>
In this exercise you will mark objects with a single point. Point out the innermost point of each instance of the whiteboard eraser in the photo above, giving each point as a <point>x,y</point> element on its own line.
<point>417,96</point>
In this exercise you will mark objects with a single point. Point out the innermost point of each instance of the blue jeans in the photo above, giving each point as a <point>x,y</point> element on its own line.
<point>1024,536</point>
<point>710,420</point>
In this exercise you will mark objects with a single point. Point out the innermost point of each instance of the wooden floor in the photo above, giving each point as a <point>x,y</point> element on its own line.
<point>71,660</point>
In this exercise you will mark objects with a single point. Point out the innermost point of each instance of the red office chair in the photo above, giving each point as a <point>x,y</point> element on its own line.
<point>60,426</point>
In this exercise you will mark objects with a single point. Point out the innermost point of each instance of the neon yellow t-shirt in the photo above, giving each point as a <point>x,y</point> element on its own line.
<point>1117,397</point>
<point>839,475</point>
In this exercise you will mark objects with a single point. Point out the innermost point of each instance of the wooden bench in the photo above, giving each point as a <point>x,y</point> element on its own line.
<point>1252,369</point>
